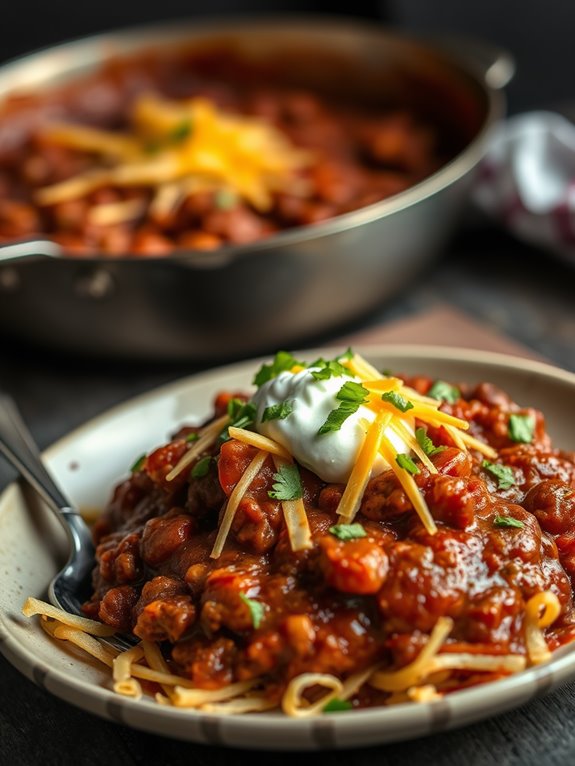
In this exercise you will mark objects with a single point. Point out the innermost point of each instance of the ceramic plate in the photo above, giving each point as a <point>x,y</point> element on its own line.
<point>90,460</point>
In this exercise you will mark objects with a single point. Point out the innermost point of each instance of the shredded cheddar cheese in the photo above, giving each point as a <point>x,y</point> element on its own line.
<point>180,148</point>
<point>360,475</point>
<point>395,408</point>
<point>410,487</point>
<point>234,501</point>
<point>257,440</point>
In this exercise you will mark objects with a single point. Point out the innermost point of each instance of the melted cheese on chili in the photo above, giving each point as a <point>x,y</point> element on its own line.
<point>192,144</point>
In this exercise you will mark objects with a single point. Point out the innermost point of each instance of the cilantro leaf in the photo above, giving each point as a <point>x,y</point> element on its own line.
<point>503,473</point>
<point>201,468</point>
<point>242,415</point>
<point>336,705</point>
<point>348,531</point>
<point>445,392</point>
<point>278,411</point>
<point>405,462</point>
<point>426,444</point>
<point>329,369</point>
<point>352,392</point>
<point>282,362</point>
<point>138,464</point>
<point>399,402</point>
<point>287,483</point>
<point>351,395</point>
<point>180,132</point>
<point>348,354</point>
<point>521,428</point>
<point>507,521</point>
<point>192,437</point>
<point>257,611</point>
<point>337,418</point>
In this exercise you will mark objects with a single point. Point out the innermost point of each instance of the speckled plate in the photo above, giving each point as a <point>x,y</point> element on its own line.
<point>91,459</point>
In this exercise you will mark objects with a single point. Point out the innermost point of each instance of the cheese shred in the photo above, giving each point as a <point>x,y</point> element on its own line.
<point>410,487</point>
<point>361,472</point>
<point>235,499</point>
<point>295,516</point>
<point>208,435</point>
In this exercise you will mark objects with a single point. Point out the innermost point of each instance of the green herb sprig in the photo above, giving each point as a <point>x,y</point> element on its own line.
<point>348,531</point>
<point>336,705</point>
<point>405,462</point>
<point>282,362</point>
<point>242,415</point>
<point>444,392</point>
<point>426,443</point>
<point>521,428</point>
<point>503,473</point>
<point>201,468</point>
<point>138,464</point>
<point>257,610</point>
<point>279,411</point>
<point>287,483</point>
<point>397,400</point>
<point>351,395</point>
<point>507,521</point>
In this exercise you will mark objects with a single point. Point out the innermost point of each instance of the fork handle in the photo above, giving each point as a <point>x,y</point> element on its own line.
<point>17,445</point>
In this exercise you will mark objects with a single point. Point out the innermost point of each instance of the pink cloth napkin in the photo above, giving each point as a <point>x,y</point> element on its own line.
<point>527,180</point>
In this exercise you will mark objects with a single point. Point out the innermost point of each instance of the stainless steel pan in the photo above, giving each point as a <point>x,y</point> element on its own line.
<point>247,299</point>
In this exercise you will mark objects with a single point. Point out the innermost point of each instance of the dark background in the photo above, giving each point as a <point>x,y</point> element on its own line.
<point>538,32</point>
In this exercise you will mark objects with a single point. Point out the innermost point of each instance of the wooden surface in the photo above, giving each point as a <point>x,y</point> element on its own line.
<point>441,325</point>
<point>487,292</point>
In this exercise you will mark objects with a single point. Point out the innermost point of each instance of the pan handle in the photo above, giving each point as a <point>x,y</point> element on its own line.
<point>36,248</point>
<point>494,64</point>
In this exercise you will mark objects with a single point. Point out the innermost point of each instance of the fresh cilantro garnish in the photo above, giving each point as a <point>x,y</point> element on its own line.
<point>347,355</point>
<point>225,199</point>
<point>283,361</point>
<point>336,705</point>
<point>328,369</point>
<point>242,415</point>
<point>287,484</point>
<point>138,464</point>
<point>348,531</point>
<point>405,462</point>
<point>337,418</point>
<point>201,468</point>
<point>278,411</point>
<point>256,608</point>
<point>503,474</point>
<point>387,373</point>
<point>445,392</point>
<point>398,401</point>
<point>352,392</point>
<point>351,395</point>
<point>181,131</point>
<point>507,521</point>
<point>192,437</point>
<point>426,444</point>
<point>521,428</point>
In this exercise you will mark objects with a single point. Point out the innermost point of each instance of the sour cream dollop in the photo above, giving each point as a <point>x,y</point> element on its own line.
<point>331,455</point>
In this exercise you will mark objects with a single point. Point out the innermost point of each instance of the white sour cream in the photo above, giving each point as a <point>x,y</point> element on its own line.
<point>331,455</point>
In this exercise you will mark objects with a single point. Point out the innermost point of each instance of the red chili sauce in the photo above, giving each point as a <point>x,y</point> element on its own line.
<point>342,605</point>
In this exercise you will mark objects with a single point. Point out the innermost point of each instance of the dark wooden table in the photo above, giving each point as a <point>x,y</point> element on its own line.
<point>508,286</point>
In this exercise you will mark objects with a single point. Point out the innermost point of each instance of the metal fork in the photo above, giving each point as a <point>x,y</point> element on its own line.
<point>70,587</point>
